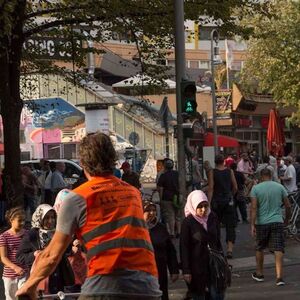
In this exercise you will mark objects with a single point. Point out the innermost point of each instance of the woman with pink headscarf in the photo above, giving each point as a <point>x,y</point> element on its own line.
<point>200,229</point>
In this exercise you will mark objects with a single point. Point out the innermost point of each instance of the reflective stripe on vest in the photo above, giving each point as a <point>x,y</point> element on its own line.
<point>111,226</point>
<point>119,243</point>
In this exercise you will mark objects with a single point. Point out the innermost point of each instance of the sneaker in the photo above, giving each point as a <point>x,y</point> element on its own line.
<point>258,278</point>
<point>280,282</point>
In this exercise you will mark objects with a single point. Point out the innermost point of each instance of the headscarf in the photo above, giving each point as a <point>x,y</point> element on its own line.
<point>193,200</point>
<point>154,222</point>
<point>45,235</point>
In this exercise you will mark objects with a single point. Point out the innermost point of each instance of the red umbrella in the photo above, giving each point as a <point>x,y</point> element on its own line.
<point>275,134</point>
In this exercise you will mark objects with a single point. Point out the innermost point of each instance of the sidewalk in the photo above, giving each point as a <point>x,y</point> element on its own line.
<point>243,286</point>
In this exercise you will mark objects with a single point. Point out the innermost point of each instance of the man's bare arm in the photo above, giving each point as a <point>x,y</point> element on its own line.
<point>46,263</point>
<point>253,215</point>
<point>287,206</point>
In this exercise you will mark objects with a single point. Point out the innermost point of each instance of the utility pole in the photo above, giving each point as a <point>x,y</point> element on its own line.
<point>180,75</point>
<point>164,117</point>
<point>214,37</point>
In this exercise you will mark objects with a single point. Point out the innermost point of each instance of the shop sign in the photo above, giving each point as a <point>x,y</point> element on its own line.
<point>52,48</point>
<point>223,104</point>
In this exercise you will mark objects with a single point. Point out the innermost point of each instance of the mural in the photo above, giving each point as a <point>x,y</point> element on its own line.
<point>55,113</point>
<point>48,121</point>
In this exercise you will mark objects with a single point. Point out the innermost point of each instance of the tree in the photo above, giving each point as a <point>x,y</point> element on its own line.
<point>273,59</point>
<point>148,23</point>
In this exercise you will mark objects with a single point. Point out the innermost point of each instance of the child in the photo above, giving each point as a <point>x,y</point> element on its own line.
<point>14,274</point>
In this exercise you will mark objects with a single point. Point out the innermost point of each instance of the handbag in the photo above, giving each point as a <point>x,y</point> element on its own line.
<point>219,269</point>
<point>67,272</point>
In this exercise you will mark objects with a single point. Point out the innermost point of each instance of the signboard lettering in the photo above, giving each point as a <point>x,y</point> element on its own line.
<point>51,48</point>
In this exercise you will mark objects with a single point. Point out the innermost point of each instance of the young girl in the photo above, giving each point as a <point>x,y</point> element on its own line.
<point>13,272</point>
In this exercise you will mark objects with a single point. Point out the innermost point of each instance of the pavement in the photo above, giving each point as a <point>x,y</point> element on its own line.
<point>243,286</point>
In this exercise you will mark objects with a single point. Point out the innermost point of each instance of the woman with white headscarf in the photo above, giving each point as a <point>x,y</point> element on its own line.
<point>200,229</point>
<point>43,227</point>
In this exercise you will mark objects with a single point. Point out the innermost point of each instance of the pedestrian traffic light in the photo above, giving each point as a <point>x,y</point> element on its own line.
<point>188,97</point>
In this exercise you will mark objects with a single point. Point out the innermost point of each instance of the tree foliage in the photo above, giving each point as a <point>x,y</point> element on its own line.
<point>273,60</point>
<point>148,24</point>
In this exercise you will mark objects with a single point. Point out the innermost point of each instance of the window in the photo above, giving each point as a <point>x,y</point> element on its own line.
<point>240,135</point>
<point>204,64</point>
<point>25,155</point>
<point>194,64</point>
<point>70,151</point>
<point>248,135</point>
<point>171,63</point>
<point>226,133</point>
<point>255,136</point>
<point>236,65</point>
<point>53,151</point>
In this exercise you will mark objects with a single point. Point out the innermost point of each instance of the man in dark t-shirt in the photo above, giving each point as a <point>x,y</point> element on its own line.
<point>129,176</point>
<point>167,186</point>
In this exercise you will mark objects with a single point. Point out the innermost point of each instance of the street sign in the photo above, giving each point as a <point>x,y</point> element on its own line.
<point>134,138</point>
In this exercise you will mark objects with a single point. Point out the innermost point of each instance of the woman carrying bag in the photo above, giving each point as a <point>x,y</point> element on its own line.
<point>43,228</point>
<point>200,232</point>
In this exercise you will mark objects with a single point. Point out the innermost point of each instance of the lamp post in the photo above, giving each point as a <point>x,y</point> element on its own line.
<point>215,59</point>
<point>180,75</point>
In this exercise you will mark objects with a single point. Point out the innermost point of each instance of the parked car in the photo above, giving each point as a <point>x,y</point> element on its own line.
<point>71,174</point>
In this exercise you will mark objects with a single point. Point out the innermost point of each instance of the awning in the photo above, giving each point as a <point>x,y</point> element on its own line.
<point>223,141</point>
<point>1,149</point>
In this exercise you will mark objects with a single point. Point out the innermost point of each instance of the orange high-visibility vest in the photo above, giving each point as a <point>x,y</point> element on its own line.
<point>115,233</point>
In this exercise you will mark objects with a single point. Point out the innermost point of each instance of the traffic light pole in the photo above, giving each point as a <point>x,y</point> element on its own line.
<point>180,75</point>
<point>213,93</point>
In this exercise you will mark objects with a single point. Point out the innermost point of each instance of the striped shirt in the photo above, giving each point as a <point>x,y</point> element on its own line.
<point>12,243</point>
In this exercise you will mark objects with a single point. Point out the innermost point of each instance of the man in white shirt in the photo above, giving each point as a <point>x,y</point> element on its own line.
<point>289,177</point>
<point>244,165</point>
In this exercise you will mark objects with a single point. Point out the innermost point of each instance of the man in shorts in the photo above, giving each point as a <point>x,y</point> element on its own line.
<point>106,214</point>
<point>267,222</point>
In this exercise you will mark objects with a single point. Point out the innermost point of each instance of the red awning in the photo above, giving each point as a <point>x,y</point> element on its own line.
<point>1,149</point>
<point>223,141</point>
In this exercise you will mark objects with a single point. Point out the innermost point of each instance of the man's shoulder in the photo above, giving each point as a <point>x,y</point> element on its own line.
<point>56,174</point>
<point>291,168</point>
<point>67,198</point>
<point>269,185</point>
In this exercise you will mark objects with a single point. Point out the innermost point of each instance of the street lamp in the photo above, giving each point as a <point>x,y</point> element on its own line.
<point>215,60</point>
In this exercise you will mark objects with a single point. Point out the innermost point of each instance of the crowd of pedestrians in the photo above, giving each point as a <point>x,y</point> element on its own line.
<point>101,239</point>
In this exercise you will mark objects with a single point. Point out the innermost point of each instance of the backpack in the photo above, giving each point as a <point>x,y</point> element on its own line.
<point>219,269</point>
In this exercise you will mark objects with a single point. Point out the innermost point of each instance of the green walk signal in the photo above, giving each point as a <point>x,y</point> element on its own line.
<point>188,97</point>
